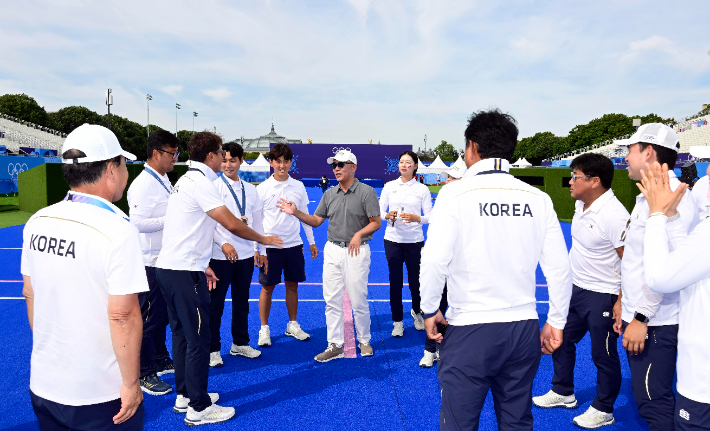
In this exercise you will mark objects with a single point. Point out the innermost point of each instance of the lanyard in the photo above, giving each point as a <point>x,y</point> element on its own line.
<point>89,200</point>
<point>154,175</point>
<point>195,169</point>
<point>242,208</point>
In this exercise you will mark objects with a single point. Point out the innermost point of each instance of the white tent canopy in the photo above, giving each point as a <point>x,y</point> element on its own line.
<point>521,163</point>
<point>259,165</point>
<point>437,166</point>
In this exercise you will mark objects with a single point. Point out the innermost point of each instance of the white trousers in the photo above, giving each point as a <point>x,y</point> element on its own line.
<point>342,271</point>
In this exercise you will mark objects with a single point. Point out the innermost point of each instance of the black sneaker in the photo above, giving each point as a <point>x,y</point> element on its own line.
<point>166,367</point>
<point>152,385</point>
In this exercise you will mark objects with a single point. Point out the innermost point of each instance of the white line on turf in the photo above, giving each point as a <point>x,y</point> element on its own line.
<point>10,248</point>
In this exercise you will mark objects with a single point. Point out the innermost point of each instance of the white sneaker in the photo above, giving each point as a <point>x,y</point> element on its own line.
<point>398,330</point>
<point>211,415</point>
<point>418,320</point>
<point>294,330</point>
<point>264,337</point>
<point>181,402</point>
<point>216,360</point>
<point>553,399</point>
<point>246,351</point>
<point>429,359</point>
<point>593,419</point>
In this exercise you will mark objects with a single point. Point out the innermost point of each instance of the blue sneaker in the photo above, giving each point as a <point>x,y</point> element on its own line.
<point>152,385</point>
<point>166,367</point>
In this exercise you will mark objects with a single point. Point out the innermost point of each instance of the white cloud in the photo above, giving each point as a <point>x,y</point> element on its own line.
<point>218,94</point>
<point>172,90</point>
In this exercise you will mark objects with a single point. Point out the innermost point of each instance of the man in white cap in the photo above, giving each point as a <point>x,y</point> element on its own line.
<point>82,272</point>
<point>650,319</point>
<point>354,215</point>
<point>455,172</point>
<point>701,188</point>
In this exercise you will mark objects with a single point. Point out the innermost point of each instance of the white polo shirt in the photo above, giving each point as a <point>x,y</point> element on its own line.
<point>411,197</point>
<point>147,203</point>
<point>596,234</point>
<point>76,255</point>
<point>279,223</point>
<point>636,296</point>
<point>487,233</point>
<point>253,211</point>
<point>189,231</point>
<point>701,194</point>
<point>685,269</point>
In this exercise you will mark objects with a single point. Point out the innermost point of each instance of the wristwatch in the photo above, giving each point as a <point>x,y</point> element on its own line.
<point>641,317</point>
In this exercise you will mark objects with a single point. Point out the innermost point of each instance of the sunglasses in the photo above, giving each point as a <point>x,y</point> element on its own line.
<point>220,152</point>
<point>175,154</point>
<point>340,164</point>
<point>575,177</point>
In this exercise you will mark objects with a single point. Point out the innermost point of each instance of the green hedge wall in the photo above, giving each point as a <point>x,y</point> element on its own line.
<point>555,182</point>
<point>44,185</point>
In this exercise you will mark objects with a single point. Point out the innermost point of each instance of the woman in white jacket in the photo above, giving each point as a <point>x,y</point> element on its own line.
<point>405,205</point>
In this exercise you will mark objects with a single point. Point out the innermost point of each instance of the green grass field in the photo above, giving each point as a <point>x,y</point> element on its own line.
<point>9,213</point>
<point>435,189</point>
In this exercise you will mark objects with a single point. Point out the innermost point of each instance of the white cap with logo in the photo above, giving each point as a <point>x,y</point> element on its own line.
<point>97,142</point>
<point>343,156</point>
<point>455,171</point>
<point>652,133</point>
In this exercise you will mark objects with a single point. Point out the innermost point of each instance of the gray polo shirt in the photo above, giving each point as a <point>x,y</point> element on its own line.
<point>348,212</point>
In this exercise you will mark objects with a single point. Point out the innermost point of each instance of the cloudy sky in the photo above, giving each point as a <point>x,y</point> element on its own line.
<point>345,71</point>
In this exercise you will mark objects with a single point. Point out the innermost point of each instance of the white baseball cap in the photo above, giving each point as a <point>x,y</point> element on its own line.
<point>701,151</point>
<point>454,171</point>
<point>343,156</point>
<point>97,142</point>
<point>652,133</point>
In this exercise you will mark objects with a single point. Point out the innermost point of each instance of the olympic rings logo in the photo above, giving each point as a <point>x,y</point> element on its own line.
<point>336,149</point>
<point>15,169</point>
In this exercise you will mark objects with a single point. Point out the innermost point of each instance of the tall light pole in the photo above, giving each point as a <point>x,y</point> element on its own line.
<point>109,102</point>
<point>177,106</point>
<point>194,114</point>
<point>148,98</point>
<point>424,144</point>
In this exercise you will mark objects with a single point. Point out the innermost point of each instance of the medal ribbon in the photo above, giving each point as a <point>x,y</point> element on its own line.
<point>241,208</point>
<point>89,200</point>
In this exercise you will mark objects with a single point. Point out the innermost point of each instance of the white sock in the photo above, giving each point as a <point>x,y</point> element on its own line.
<point>291,322</point>
<point>264,326</point>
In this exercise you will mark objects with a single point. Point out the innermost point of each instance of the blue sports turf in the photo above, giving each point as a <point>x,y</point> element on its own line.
<point>285,388</point>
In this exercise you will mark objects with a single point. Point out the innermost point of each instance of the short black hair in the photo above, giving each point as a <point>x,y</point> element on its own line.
<point>595,165</point>
<point>663,154</point>
<point>202,144</point>
<point>495,133</point>
<point>78,174</point>
<point>411,154</point>
<point>160,140</point>
<point>234,150</point>
<point>281,150</point>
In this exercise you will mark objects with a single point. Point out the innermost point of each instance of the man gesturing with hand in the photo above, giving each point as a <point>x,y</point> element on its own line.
<point>354,214</point>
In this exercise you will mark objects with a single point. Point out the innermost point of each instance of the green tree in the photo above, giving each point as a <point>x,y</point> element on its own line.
<point>24,107</point>
<point>541,145</point>
<point>131,135</point>
<point>67,119</point>
<point>184,137</point>
<point>446,151</point>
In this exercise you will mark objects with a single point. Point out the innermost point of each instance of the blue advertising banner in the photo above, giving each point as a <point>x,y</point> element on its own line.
<point>373,161</point>
<point>11,166</point>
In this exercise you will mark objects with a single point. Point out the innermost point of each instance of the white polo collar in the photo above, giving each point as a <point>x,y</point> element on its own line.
<point>487,165</point>
<point>599,203</point>
<point>408,183</point>
<point>209,173</point>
